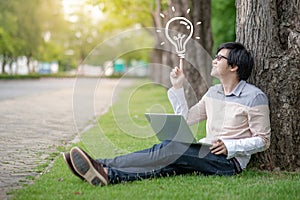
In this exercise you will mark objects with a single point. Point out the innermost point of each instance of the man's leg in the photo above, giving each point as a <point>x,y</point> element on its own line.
<point>166,158</point>
<point>199,159</point>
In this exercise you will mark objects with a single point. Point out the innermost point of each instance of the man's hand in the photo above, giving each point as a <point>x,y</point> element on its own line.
<point>219,148</point>
<point>177,77</point>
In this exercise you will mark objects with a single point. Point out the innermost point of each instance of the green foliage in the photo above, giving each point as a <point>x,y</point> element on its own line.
<point>10,43</point>
<point>50,51</point>
<point>23,26</point>
<point>131,44</point>
<point>117,17</point>
<point>54,28</point>
<point>223,21</point>
<point>29,28</point>
<point>135,41</point>
<point>6,42</point>
<point>124,14</point>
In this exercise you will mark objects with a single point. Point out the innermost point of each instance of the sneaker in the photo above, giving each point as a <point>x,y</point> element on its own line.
<point>92,171</point>
<point>68,161</point>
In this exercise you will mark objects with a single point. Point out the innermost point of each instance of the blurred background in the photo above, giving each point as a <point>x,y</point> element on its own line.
<point>54,36</point>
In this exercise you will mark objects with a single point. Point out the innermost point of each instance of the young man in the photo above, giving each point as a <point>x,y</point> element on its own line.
<point>237,115</point>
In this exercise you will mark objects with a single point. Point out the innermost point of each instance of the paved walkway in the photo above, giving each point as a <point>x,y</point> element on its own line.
<point>37,116</point>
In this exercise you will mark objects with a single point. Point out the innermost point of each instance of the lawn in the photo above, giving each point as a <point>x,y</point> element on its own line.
<point>125,129</point>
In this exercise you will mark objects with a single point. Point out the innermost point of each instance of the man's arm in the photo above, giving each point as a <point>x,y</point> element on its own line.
<point>178,101</point>
<point>243,147</point>
<point>177,98</point>
<point>176,93</point>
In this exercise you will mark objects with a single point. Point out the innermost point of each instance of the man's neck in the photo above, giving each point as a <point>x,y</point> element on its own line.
<point>229,85</point>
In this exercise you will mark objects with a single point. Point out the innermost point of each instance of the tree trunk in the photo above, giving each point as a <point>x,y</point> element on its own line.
<point>199,72</point>
<point>3,65</point>
<point>17,66</point>
<point>271,30</point>
<point>28,64</point>
<point>158,70</point>
<point>11,60</point>
<point>197,64</point>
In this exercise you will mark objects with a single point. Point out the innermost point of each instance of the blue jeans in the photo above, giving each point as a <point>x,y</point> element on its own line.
<point>165,159</point>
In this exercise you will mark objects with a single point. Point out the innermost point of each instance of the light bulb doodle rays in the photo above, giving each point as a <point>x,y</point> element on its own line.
<point>179,39</point>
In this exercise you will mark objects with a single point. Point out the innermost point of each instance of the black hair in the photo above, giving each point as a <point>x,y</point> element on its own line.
<point>239,56</point>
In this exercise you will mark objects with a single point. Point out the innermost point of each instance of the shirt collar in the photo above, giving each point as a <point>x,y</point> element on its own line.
<point>237,90</point>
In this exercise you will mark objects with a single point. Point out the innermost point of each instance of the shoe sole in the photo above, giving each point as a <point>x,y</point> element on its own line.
<point>85,168</point>
<point>71,168</point>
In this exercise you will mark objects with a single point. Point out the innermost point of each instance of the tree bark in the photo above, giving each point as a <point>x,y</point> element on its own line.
<point>201,81</point>
<point>271,29</point>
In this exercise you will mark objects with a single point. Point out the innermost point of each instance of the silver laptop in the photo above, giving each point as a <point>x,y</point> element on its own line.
<point>172,127</point>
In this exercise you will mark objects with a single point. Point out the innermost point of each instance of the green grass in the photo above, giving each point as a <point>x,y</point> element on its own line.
<point>112,137</point>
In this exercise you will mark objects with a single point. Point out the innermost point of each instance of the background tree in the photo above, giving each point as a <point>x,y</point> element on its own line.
<point>10,44</point>
<point>119,16</point>
<point>54,29</point>
<point>271,30</point>
<point>29,29</point>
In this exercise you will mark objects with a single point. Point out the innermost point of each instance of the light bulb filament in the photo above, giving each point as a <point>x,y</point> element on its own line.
<point>179,40</point>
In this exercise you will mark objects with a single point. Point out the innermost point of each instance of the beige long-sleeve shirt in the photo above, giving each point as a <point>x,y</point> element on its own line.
<point>240,119</point>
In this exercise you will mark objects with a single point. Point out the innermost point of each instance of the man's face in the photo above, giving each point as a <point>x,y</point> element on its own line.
<point>220,67</point>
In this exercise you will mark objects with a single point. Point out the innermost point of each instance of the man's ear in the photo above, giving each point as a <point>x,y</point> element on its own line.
<point>234,68</point>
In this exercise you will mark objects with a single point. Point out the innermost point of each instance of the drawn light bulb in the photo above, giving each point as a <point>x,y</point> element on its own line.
<point>179,39</point>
